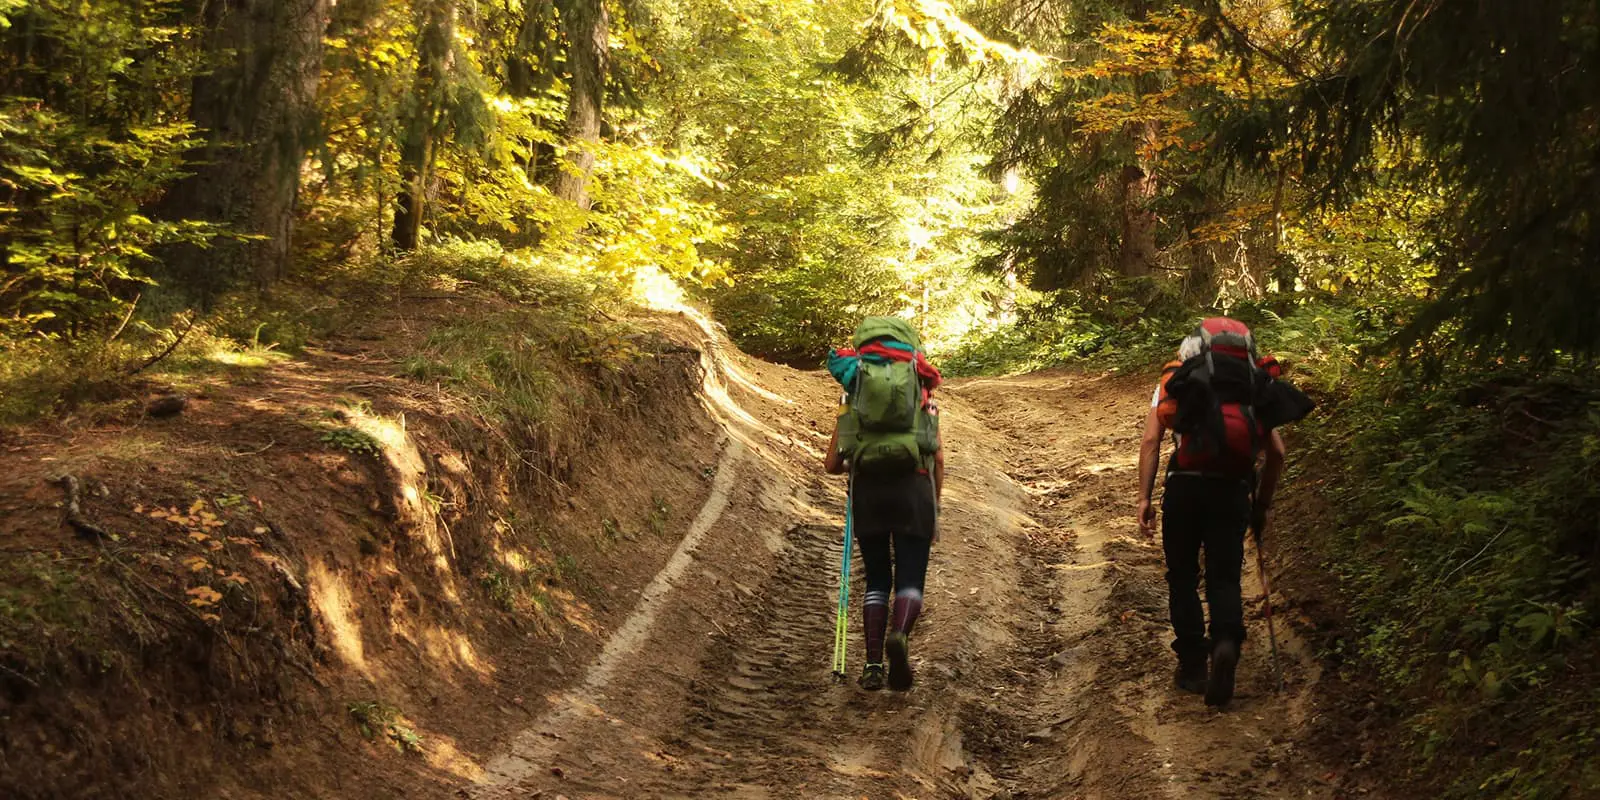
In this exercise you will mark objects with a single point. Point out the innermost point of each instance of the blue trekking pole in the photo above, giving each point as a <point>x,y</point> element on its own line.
<point>840,628</point>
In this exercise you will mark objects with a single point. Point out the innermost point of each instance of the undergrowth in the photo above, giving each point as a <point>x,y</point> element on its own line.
<point>41,375</point>
<point>1465,545</point>
<point>1120,334</point>
<point>376,719</point>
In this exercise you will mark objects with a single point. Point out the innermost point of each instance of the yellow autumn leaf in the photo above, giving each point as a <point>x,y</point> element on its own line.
<point>196,506</point>
<point>201,596</point>
<point>237,580</point>
<point>196,563</point>
<point>209,617</point>
<point>197,536</point>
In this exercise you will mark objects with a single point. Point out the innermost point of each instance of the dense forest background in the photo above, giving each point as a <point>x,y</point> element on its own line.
<point>1400,194</point>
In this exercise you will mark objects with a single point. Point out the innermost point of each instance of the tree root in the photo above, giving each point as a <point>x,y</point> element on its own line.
<point>86,529</point>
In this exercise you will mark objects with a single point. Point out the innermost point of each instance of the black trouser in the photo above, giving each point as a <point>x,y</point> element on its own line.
<point>893,520</point>
<point>1210,513</point>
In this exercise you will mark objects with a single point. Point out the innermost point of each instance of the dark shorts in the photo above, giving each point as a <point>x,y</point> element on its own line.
<point>887,505</point>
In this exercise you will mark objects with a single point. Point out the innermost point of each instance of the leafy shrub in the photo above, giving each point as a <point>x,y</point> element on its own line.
<point>375,718</point>
<point>1067,331</point>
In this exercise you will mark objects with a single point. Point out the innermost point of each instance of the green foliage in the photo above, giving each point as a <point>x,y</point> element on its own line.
<point>44,605</point>
<point>838,198</point>
<point>525,366</point>
<point>375,718</point>
<point>1115,330</point>
<point>352,440</point>
<point>1496,103</point>
<point>1464,543</point>
<point>87,146</point>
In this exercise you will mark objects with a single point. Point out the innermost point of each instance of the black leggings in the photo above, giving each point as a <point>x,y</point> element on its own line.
<point>903,569</point>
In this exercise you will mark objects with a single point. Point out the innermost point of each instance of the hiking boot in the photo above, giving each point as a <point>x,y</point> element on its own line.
<point>872,678</point>
<point>899,647</point>
<point>1191,675</point>
<point>1224,661</point>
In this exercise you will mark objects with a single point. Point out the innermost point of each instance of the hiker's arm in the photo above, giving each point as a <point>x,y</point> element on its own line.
<point>1271,471</point>
<point>833,463</point>
<point>938,474</point>
<point>1149,460</point>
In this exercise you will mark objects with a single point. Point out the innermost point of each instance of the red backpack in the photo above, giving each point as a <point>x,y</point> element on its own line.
<point>1210,401</point>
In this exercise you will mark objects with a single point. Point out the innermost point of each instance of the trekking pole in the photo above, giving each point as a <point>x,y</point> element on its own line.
<point>840,628</point>
<point>1266,588</point>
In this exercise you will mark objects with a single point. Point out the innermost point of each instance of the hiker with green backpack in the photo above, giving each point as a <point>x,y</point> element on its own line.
<point>1223,405</point>
<point>887,440</point>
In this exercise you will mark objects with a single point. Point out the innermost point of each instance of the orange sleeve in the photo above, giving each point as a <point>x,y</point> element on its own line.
<point>1166,406</point>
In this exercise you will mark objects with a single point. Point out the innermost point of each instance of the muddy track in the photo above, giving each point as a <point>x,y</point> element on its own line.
<point>1042,663</point>
<point>1107,722</point>
<point>762,703</point>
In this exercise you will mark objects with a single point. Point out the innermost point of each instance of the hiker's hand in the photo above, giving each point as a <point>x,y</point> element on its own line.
<point>1147,519</point>
<point>1260,520</point>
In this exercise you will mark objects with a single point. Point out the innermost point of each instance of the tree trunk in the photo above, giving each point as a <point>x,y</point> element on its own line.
<point>1285,271</point>
<point>257,106</point>
<point>1138,253</point>
<point>434,54</point>
<point>588,58</point>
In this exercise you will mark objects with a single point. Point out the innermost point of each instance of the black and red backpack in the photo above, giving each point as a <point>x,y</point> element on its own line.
<point>1211,401</point>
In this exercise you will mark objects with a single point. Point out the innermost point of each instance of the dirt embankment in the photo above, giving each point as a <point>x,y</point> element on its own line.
<point>325,579</point>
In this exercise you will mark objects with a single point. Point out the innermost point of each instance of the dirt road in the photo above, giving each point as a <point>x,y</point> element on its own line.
<point>1042,661</point>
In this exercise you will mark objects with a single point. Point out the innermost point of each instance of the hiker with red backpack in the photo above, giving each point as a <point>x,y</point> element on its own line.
<point>1223,405</point>
<point>887,440</point>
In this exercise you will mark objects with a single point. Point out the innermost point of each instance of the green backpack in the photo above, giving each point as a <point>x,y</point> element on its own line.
<point>884,426</point>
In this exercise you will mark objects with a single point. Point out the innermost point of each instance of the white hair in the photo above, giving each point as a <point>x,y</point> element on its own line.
<point>1189,349</point>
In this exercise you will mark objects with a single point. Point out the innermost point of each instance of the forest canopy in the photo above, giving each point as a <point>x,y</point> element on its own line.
<point>804,163</point>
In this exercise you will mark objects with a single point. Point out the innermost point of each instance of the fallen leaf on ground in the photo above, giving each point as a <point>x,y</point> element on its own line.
<point>203,596</point>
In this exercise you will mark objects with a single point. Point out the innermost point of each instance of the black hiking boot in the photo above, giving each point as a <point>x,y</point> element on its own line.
<point>872,678</point>
<point>1224,662</point>
<point>1191,675</point>
<point>899,647</point>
